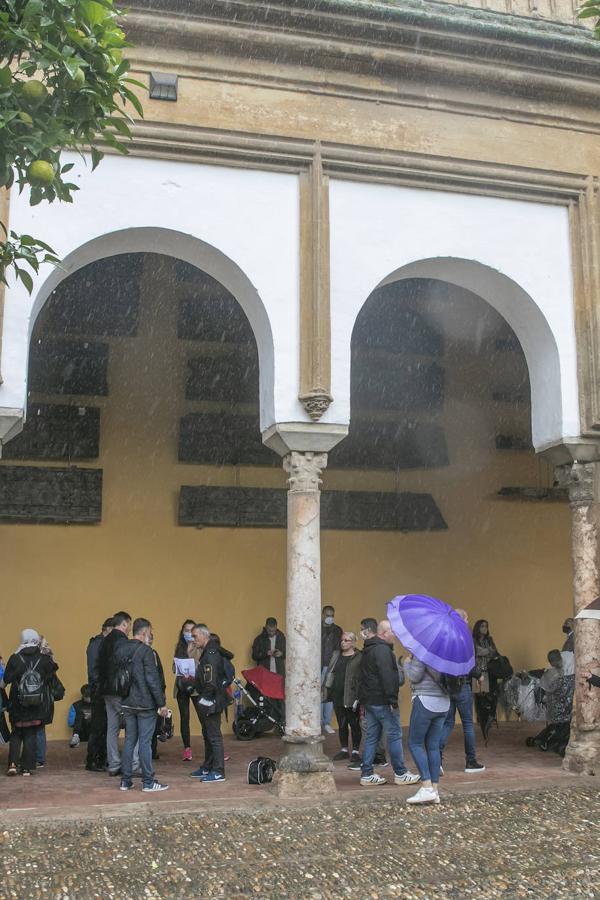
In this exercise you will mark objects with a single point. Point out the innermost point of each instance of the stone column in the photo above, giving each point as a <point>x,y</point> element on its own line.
<point>582,480</point>
<point>304,769</point>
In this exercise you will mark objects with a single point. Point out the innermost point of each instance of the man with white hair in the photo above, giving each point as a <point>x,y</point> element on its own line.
<point>463,702</point>
<point>379,687</point>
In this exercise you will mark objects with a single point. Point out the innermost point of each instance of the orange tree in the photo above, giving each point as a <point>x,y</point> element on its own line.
<point>63,86</point>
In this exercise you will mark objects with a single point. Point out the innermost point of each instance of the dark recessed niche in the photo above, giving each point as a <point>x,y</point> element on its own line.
<point>99,300</point>
<point>395,383</point>
<point>35,495</point>
<point>390,319</point>
<point>223,439</point>
<point>232,377</point>
<point>214,316</point>
<point>513,442</point>
<point>340,510</point>
<point>373,444</point>
<point>63,366</point>
<point>57,432</point>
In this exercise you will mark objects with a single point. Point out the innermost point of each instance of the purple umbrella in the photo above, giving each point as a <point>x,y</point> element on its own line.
<point>433,632</point>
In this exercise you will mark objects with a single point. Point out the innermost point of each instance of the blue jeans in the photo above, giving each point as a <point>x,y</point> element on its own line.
<point>40,754</point>
<point>327,706</point>
<point>424,735</point>
<point>139,728</point>
<point>463,702</point>
<point>383,720</point>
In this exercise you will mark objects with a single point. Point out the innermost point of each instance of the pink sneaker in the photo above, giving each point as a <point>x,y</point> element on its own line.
<point>187,754</point>
<point>226,757</point>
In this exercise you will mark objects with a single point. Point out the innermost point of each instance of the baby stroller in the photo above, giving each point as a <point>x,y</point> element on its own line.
<point>264,693</point>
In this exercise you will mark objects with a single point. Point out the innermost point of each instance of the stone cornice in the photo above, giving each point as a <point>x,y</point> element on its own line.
<point>415,40</point>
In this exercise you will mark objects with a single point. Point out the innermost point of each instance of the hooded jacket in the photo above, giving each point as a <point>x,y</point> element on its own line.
<point>261,647</point>
<point>379,675</point>
<point>210,677</point>
<point>16,666</point>
<point>146,691</point>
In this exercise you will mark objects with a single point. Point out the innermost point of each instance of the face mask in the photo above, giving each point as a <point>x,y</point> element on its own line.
<point>566,629</point>
<point>364,635</point>
<point>187,636</point>
<point>328,620</point>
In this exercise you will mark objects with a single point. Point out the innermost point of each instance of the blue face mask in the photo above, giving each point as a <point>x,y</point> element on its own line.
<point>328,620</point>
<point>187,636</point>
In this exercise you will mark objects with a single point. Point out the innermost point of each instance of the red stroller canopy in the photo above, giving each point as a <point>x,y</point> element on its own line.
<point>268,683</point>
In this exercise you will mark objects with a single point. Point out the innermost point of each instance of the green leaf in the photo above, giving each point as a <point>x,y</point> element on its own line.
<point>25,278</point>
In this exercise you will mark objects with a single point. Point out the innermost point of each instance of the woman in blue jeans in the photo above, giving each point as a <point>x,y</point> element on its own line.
<point>429,710</point>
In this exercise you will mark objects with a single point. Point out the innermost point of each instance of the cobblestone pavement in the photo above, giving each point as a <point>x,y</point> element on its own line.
<point>540,844</point>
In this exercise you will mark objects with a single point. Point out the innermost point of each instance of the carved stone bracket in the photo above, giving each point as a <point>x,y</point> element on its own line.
<point>304,470</point>
<point>581,481</point>
<point>315,326</point>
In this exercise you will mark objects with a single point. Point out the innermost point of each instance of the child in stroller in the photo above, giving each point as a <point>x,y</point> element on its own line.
<point>264,710</point>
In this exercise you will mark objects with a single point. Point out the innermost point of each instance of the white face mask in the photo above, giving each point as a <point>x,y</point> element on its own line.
<point>328,620</point>
<point>187,636</point>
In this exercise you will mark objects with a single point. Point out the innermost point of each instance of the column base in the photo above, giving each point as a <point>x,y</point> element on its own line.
<point>583,754</point>
<point>304,770</point>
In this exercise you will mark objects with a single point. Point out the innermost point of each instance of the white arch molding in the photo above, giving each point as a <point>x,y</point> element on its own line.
<point>526,320</point>
<point>515,255</point>
<point>239,225</point>
<point>188,249</point>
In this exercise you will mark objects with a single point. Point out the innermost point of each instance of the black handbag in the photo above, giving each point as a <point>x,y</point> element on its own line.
<point>261,770</point>
<point>500,668</point>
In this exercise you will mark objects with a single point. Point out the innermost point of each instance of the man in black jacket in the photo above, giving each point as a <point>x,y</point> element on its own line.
<point>331,635</point>
<point>96,748</point>
<point>268,649</point>
<point>378,693</point>
<point>106,669</point>
<point>210,703</point>
<point>146,697</point>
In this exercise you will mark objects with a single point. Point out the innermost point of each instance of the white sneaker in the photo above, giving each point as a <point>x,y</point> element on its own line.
<point>372,780</point>
<point>424,795</point>
<point>75,741</point>
<point>407,778</point>
<point>441,770</point>
<point>328,729</point>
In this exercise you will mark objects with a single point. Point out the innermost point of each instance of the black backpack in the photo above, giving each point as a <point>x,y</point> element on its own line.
<point>452,684</point>
<point>261,770</point>
<point>30,689</point>
<point>121,676</point>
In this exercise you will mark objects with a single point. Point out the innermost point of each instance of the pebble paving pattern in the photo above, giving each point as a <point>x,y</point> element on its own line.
<point>538,844</point>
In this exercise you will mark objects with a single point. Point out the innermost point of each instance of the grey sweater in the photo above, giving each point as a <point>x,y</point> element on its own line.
<point>423,680</point>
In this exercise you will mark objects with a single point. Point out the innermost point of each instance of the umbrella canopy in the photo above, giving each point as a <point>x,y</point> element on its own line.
<point>591,611</point>
<point>268,683</point>
<point>433,632</point>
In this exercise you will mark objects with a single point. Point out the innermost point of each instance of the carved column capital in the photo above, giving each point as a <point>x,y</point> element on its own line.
<point>581,479</point>
<point>316,403</point>
<point>304,470</point>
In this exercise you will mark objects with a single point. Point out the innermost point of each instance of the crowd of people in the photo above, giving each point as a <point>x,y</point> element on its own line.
<point>126,687</point>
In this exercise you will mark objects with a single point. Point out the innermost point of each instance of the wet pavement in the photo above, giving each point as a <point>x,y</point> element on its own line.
<point>521,829</point>
<point>541,844</point>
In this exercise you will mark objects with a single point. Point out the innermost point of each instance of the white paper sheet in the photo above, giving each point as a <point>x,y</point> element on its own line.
<point>186,667</point>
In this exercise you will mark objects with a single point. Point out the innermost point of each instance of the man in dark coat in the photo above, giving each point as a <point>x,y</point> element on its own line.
<point>106,669</point>
<point>146,697</point>
<point>96,748</point>
<point>378,693</point>
<point>331,635</point>
<point>211,701</point>
<point>268,649</point>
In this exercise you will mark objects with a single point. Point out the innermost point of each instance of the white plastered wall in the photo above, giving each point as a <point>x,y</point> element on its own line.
<point>514,254</point>
<point>240,226</point>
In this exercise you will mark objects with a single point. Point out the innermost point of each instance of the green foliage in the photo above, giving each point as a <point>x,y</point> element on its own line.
<point>63,86</point>
<point>588,10</point>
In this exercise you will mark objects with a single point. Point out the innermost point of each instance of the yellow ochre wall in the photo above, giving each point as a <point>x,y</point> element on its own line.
<point>506,561</point>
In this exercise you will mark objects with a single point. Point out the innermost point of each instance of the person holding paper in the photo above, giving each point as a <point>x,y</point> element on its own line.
<point>210,702</point>
<point>184,667</point>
